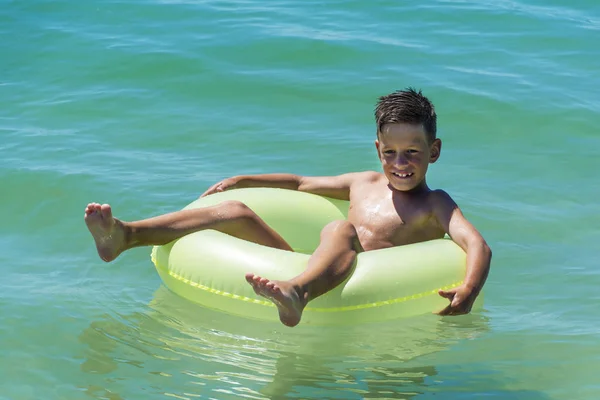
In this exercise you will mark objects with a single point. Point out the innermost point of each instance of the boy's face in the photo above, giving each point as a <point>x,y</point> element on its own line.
<point>405,154</point>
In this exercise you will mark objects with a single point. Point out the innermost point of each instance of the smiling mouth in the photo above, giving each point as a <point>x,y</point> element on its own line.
<point>403,176</point>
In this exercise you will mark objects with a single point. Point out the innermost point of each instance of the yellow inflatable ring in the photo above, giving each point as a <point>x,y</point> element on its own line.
<point>208,267</point>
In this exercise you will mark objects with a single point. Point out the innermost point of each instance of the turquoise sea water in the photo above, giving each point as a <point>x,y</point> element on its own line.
<point>145,104</point>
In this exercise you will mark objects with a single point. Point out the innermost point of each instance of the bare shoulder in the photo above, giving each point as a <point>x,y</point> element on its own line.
<point>368,176</point>
<point>440,198</point>
<point>443,207</point>
<point>441,204</point>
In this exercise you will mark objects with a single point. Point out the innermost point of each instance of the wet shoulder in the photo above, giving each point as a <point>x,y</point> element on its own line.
<point>440,206</point>
<point>439,199</point>
<point>366,184</point>
<point>369,177</point>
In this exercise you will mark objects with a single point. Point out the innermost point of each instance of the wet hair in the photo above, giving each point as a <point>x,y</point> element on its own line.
<point>408,106</point>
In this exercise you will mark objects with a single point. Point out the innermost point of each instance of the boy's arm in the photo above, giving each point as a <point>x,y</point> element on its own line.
<point>479,254</point>
<point>337,187</point>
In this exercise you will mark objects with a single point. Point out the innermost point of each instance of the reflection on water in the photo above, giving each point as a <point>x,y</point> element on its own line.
<point>179,349</point>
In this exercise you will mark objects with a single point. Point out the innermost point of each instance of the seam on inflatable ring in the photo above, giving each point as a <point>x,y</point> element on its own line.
<point>316,309</point>
<point>384,302</point>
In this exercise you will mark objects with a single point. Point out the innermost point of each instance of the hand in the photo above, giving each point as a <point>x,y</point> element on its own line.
<point>461,300</point>
<point>225,184</point>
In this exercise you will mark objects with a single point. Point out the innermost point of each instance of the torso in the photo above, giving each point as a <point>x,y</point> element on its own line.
<point>385,218</point>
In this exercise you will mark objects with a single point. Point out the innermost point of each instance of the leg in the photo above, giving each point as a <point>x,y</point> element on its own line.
<point>113,236</point>
<point>329,265</point>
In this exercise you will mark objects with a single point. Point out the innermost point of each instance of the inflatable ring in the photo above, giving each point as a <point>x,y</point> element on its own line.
<point>208,267</point>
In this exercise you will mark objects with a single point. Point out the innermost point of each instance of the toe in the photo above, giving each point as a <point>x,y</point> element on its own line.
<point>90,209</point>
<point>106,211</point>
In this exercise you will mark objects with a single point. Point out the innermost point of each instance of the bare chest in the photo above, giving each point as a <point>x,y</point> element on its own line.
<point>382,224</point>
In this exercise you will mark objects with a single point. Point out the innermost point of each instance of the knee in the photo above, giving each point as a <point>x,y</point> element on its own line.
<point>234,209</point>
<point>342,229</point>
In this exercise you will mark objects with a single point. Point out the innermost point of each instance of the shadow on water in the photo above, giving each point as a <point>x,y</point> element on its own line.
<point>178,349</point>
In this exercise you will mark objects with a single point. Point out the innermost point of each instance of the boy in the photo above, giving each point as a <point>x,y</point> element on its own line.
<point>387,209</point>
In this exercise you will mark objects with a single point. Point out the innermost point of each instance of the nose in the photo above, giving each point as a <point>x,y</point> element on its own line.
<point>401,159</point>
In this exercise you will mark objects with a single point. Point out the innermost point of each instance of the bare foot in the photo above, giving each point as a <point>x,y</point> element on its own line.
<point>108,232</point>
<point>282,294</point>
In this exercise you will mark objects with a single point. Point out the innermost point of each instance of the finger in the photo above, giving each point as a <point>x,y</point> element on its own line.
<point>445,311</point>
<point>446,294</point>
<point>463,308</point>
<point>456,302</point>
<point>459,309</point>
<point>210,190</point>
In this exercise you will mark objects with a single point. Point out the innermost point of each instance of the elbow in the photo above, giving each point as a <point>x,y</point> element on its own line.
<point>480,246</point>
<point>486,251</point>
<point>301,183</point>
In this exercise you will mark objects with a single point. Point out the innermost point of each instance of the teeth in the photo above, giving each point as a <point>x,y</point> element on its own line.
<point>402,175</point>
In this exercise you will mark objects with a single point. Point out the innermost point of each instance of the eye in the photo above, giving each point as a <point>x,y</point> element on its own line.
<point>412,151</point>
<point>389,151</point>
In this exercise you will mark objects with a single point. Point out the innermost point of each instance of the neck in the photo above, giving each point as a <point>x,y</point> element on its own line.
<point>419,189</point>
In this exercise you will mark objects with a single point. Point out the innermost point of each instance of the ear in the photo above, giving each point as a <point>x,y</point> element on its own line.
<point>435,150</point>
<point>377,147</point>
